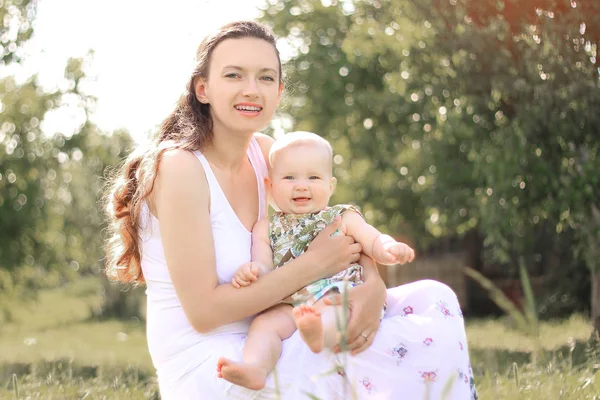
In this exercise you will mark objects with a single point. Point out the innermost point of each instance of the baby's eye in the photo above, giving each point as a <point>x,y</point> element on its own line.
<point>289,177</point>
<point>314,177</point>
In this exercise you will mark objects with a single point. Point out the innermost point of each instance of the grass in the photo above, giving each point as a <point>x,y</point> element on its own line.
<point>53,349</point>
<point>58,325</point>
<point>58,351</point>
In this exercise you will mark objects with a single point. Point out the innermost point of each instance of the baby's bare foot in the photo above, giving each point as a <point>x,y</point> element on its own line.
<point>250,376</point>
<point>308,321</point>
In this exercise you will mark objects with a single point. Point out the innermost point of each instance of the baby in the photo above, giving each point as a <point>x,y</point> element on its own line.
<point>300,184</point>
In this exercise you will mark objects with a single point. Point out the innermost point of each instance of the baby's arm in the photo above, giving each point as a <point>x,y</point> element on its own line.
<point>262,257</point>
<point>262,254</point>
<point>383,248</point>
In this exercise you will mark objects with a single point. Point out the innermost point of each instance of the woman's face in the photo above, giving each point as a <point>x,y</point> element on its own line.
<point>243,86</point>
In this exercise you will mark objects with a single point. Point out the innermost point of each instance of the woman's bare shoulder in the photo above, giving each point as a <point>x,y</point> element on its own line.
<point>179,171</point>
<point>179,160</point>
<point>265,142</point>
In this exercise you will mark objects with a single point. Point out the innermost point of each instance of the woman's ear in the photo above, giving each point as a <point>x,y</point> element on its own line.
<point>279,93</point>
<point>200,90</point>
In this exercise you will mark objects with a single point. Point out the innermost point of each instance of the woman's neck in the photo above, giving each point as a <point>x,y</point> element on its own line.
<point>227,151</point>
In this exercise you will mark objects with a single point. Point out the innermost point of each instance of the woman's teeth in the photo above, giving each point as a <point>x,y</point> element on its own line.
<point>247,108</point>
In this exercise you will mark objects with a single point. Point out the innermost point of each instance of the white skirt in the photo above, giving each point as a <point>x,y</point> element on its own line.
<point>420,351</point>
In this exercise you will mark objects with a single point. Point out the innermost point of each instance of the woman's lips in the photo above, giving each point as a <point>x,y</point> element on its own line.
<point>248,113</point>
<point>248,109</point>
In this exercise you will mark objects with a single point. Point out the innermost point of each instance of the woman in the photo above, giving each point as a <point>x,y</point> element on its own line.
<point>182,214</point>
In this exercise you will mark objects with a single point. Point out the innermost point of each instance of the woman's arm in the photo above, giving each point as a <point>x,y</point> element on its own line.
<point>181,202</point>
<point>366,302</point>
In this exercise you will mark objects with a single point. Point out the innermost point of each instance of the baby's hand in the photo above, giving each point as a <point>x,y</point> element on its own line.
<point>245,275</point>
<point>398,253</point>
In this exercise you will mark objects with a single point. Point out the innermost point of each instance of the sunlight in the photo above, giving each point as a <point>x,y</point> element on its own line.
<point>143,54</point>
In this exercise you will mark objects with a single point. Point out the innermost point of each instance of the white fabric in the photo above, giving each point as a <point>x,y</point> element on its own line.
<point>420,344</point>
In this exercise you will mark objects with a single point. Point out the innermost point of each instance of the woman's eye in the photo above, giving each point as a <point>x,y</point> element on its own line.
<point>232,75</point>
<point>268,78</point>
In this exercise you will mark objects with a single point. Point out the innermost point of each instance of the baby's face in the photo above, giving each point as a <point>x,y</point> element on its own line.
<point>301,179</point>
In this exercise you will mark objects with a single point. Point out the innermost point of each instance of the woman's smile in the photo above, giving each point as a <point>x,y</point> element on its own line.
<point>248,109</point>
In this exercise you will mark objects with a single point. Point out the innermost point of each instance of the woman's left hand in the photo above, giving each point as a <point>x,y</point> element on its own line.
<point>365,302</point>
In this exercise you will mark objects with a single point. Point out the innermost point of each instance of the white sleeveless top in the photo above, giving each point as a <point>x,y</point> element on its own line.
<point>169,332</point>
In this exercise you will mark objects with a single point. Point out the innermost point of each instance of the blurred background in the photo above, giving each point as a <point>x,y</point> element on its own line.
<point>467,128</point>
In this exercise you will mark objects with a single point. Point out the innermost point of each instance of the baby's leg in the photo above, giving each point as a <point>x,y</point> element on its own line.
<point>320,325</point>
<point>262,349</point>
<point>267,331</point>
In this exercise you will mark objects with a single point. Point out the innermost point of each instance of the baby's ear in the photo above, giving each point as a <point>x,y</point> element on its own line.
<point>333,184</point>
<point>268,188</point>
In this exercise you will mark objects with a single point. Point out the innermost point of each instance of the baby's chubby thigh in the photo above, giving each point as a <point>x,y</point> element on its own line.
<point>277,318</point>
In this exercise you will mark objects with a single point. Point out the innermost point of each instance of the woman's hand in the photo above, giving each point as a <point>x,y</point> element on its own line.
<point>365,302</point>
<point>332,254</point>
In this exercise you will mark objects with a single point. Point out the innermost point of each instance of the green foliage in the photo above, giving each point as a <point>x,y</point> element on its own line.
<point>50,185</point>
<point>16,18</point>
<point>452,115</point>
<point>445,129</point>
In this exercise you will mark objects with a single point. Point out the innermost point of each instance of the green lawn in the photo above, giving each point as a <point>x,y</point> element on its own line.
<point>53,349</point>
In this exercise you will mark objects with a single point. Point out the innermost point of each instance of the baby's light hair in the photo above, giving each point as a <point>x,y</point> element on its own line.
<point>298,138</point>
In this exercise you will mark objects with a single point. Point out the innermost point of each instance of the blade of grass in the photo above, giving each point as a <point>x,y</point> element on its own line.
<point>446,391</point>
<point>531,309</point>
<point>16,386</point>
<point>311,396</point>
<point>501,300</point>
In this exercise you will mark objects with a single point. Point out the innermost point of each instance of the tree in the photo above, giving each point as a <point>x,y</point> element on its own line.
<point>457,115</point>
<point>50,218</point>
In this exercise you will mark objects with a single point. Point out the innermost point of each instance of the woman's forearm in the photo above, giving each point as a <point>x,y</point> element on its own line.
<point>370,272</point>
<point>222,304</point>
<point>228,304</point>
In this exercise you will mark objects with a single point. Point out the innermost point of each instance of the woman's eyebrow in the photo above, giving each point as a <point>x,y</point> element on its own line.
<point>268,70</point>
<point>237,68</point>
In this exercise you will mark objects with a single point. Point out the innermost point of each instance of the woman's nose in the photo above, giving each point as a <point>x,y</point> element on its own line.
<point>251,88</point>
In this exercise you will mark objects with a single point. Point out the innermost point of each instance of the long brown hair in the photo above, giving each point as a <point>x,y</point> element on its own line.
<point>188,127</point>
